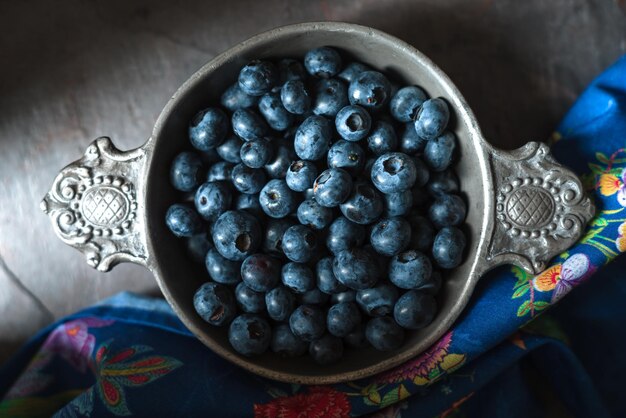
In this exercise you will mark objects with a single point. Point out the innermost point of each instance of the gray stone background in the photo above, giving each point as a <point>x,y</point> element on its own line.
<point>75,70</point>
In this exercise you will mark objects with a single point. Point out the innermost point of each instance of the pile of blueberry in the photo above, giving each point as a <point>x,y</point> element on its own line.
<point>323,203</point>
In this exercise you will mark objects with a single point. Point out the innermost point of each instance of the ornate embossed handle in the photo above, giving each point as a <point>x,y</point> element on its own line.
<point>93,205</point>
<point>540,208</point>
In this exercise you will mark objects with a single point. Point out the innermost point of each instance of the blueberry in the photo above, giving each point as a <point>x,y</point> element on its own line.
<point>250,335</point>
<point>248,300</point>
<point>235,98</point>
<point>448,247</point>
<point>283,157</point>
<point>326,350</point>
<point>353,123</point>
<point>301,175</point>
<point>364,205</point>
<point>295,97</point>
<point>280,303</point>
<point>220,171</point>
<point>314,215</point>
<point>432,286</point>
<point>248,125</point>
<point>308,322</point>
<point>221,269</point>
<point>422,175</point>
<point>410,142</point>
<point>260,272</point>
<point>384,334</point>
<point>258,77</point>
<point>356,268</point>
<point>352,71</point>
<point>405,103</point>
<point>312,138</point>
<point>326,280</point>
<point>285,343</point>
<point>410,270</point>
<point>378,300</point>
<point>347,296</point>
<point>215,304</point>
<point>390,236</point>
<point>443,182</point>
<point>394,172</point>
<point>256,153</point>
<point>344,234</point>
<point>415,310</point>
<point>398,204</point>
<point>332,187</point>
<point>208,128</point>
<point>213,199</point>
<point>439,151</point>
<point>249,203</point>
<point>346,155</point>
<point>330,96</point>
<point>447,210</point>
<point>182,220</point>
<point>370,89</point>
<point>422,232</point>
<point>309,193</point>
<point>248,180</point>
<point>299,243</point>
<point>236,235</point>
<point>356,338</point>
<point>290,70</point>
<point>277,199</point>
<point>198,246</point>
<point>382,138</point>
<point>274,231</point>
<point>313,297</point>
<point>343,318</point>
<point>323,62</point>
<point>431,118</point>
<point>229,149</point>
<point>185,171</point>
<point>298,277</point>
<point>272,109</point>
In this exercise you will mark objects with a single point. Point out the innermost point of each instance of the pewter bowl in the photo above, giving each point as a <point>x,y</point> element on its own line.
<point>523,207</point>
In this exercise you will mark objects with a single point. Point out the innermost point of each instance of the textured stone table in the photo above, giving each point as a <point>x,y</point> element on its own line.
<point>73,70</point>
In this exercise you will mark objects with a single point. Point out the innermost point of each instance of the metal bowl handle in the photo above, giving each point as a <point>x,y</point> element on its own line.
<point>540,208</point>
<point>93,205</point>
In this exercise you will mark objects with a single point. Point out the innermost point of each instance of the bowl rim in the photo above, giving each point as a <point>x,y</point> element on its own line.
<point>475,250</point>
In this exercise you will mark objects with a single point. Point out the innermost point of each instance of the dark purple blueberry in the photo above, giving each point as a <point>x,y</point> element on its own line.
<point>443,182</point>
<point>415,310</point>
<point>277,200</point>
<point>364,205</point>
<point>326,350</point>
<point>308,322</point>
<point>185,171</point>
<point>384,334</point>
<point>344,234</point>
<point>422,175</point>
<point>220,171</point>
<point>291,69</point>
<point>390,236</point>
<point>248,300</point>
<point>198,246</point>
<point>447,210</point>
<point>250,335</point>
<point>347,296</point>
<point>394,172</point>
<point>352,71</point>
<point>326,280</point>
<point>405,103</point>
<point>274,231</point>
<point>272,109</point>
<point>356,268</point>
<point>332,187</point>
<point>221,269</point>
<point>398,204</point>
<point>312,138</point>
<point>280,303</point>
<point>410,270</point>
<point>422,232</point>
<point>258,77</point>
<point>314,215</point>
<point>370,89</point>
<point>208,128</point>
<point>285,343</point>
<point>249,125</point>
<point>432,118</point>
<point>346,155</point>
<point>260,272</point>
<point>313,297</point>
<point>378,300</point>
<point>357,339</point>
<point>249,203</point>
<point>283,157</point>
<point>235,98</point>
<point>439,151</point>
<point>330,97</point>
<point>298,277</point>
<point>410,142</point>
<point>213,199</point>
<point>323,62</point>
<point>448,247</point>
<point>301,175</point>
<point>256,153</point>
<point>182,220</point>
<point>229,149</point>
<point>353,123</point>
<point>343,318</point>
<point>382,138</point>
<point>236,235</point>
<point>215,304</point>
<point>295,97</point>
<point>248,180</point>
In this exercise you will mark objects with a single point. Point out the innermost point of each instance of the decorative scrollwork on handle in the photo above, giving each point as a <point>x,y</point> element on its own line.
<point>541,208</point>
<point>93,205</point>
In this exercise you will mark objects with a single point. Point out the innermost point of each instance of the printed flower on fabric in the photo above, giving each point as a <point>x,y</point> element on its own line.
<point>319,402</point>
<point>73,342</point>
<point>564,277</point>
<point>620,242</point>
<point>611,184</point>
